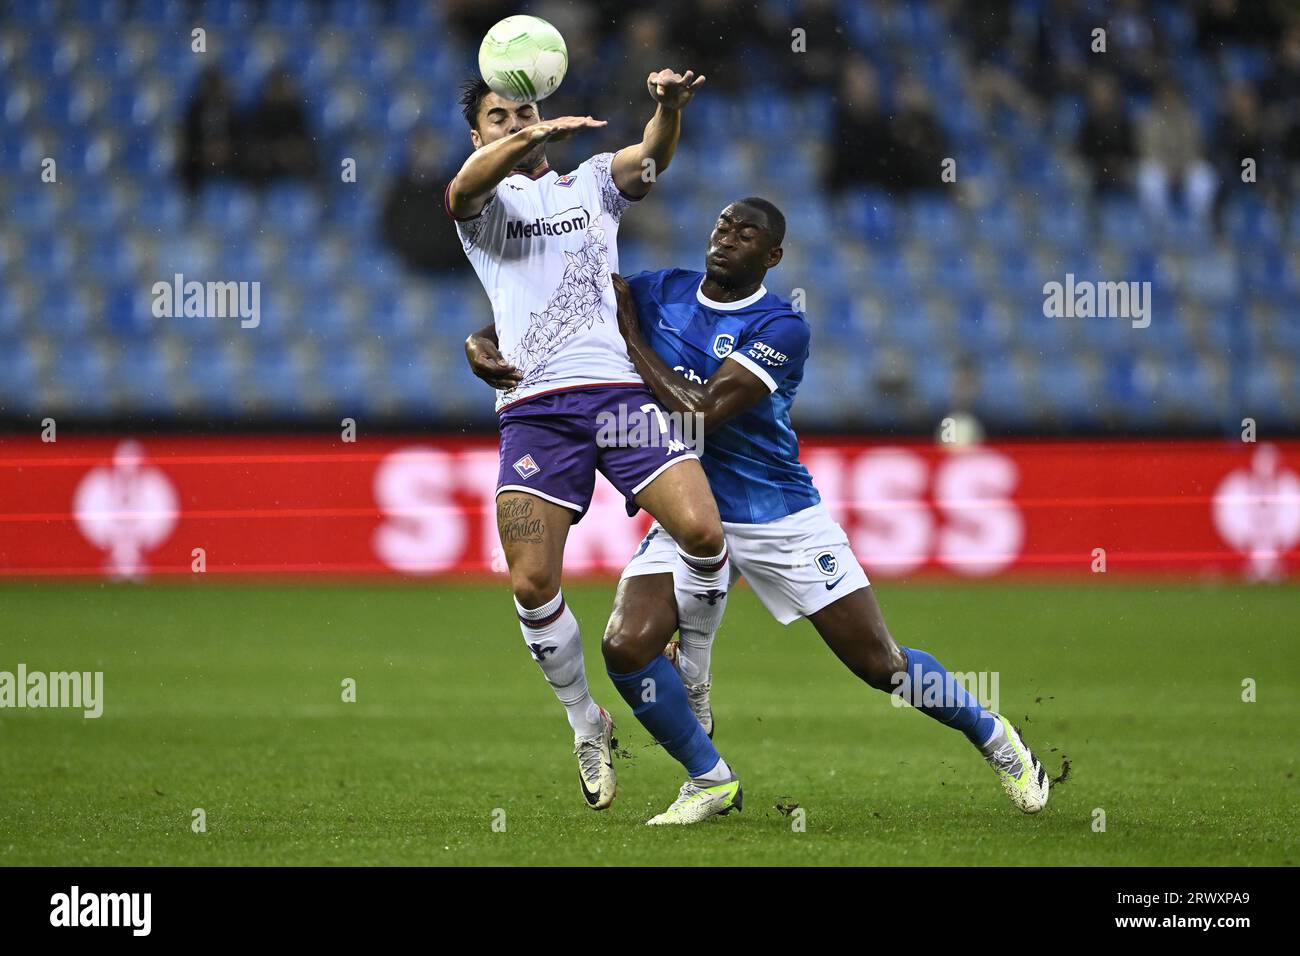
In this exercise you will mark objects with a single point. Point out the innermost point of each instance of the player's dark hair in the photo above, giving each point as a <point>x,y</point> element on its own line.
<point>775,220</point>
<point>472,92</point>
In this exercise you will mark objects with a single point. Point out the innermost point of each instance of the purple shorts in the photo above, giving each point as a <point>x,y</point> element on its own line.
<point>552,445</point>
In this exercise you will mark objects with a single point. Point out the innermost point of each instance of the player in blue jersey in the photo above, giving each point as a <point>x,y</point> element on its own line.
<point>719,346</point>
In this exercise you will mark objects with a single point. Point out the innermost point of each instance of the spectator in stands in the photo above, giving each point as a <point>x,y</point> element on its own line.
<point>901,153</point>
<point>718,38</point>
<point>1000,46</point>
<point>645,50</point>
<point>277,141</point>
<point>1062,49</point>
<point>1242,136</point>
<point>1229,22</point>
<point>209,134</point>
<point>1133,45</point>
<point>826,45</point>
<point>1172,156</point>
<point>961,427</point>
<point>1282,110</point>
<point>862,150</point>
<point>584,90</point>
<point>1105,138</point>
<point>918,142</point>
<point>470,19</point>
<point>410,223</point>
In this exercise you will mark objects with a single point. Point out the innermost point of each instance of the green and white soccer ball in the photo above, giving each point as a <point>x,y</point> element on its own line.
<point>523,59</point>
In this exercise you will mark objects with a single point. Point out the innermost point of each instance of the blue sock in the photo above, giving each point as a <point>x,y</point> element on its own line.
<point>929,688</point>
<point>658,699</point>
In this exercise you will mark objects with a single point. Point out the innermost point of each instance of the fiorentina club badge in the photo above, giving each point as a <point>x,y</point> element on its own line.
<point>526,467</point>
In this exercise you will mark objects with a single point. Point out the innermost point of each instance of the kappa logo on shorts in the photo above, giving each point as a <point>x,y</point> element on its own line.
<point>827,563</point>
<point>527,467</point>
<point>723,345</point>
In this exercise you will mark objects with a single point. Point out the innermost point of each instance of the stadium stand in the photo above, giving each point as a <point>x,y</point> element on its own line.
<point>902,286</point>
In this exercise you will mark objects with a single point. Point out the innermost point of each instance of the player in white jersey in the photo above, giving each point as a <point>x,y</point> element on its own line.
<point>544,245</point>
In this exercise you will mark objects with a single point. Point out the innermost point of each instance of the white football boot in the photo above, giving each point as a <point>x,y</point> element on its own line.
<point>596,764</point>
<point>695,803</point>
<point>1023,776</point>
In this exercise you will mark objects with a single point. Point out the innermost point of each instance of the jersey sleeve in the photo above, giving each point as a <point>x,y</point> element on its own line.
<point>774,348</point>
<point>612,199</point>
<point>477,230</point>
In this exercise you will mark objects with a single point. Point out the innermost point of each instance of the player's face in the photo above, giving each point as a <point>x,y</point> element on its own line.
<point>740,248</point>
<point>499,117</point>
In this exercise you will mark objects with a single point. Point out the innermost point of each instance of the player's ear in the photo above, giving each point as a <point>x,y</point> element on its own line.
<point>774,256</point>
<point>475,138</point>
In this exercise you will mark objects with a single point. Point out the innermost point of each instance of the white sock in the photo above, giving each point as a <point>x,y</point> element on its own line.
<point>720,773</point>
<point>700,586</point>
<point>552,635</point>
<point>695,655</point>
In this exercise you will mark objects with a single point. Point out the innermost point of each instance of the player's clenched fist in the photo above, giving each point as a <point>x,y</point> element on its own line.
<point>487,362</point>
<point>562,128</point>
<point>672,89</point>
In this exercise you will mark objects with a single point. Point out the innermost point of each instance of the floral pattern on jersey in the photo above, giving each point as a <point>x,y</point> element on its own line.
<point>471,228</point>
<point>574,307</point>
<point>611,200</point>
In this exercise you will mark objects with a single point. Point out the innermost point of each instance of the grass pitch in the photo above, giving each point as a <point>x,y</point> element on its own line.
<point>228,698</point>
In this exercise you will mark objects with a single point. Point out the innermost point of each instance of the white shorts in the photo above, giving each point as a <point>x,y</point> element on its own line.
<point>797,565</point>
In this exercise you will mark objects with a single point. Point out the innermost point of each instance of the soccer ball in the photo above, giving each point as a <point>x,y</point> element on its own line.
<point>523,59</point>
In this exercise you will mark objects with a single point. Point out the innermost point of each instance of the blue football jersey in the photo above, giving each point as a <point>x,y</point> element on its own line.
<point>752,461</point>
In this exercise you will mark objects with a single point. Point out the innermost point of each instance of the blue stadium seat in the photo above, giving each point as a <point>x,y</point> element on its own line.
<point>104,13</point>
<point>141,376</point>
<point>20,381</point>
<point>347,380</point>
<point>413,383</point>
<point>211,377</point>
<point>160,12</point>
<point>275,377</point>
<point>228,208</point>
<point>291,206</point>
<point>235,14</point>
<point>82,372</point>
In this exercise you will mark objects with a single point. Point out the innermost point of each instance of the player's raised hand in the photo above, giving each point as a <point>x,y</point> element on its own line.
<point>562,127</point>
<point>487,362</point>
<point>629,323</point>
<point>673,90</point>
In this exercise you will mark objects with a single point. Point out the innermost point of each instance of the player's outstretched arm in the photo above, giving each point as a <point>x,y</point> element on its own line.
<point>672,91</point>
<point>487,362</point>
<point>731,389</point>
<point>473,186</point>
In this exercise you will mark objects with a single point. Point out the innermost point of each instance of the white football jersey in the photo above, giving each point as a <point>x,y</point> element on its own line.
<point>544,249</point>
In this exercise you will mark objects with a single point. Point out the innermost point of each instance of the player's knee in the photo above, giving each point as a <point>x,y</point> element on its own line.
<point>629,646</point>
<point>702,536</point>
<point>533,587</point>
<point>882,664</point>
